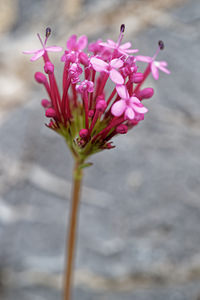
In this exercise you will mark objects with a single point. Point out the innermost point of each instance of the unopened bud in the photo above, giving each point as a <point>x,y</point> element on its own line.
<point>50,113</point>
<point>91,113</point>
<point>122,129</point>
<point>101,105</point>
<point>83,133</point>
<point>138,77</point>
<point>49,68</point>
<point>46,103</point>
<point>40,77</point>
<point>84,60</point>
<point>145,93</point>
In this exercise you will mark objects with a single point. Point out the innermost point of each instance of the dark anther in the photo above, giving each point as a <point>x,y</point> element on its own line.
<point>161,45</point>
<point>48,32</point>
<point>122,28</point>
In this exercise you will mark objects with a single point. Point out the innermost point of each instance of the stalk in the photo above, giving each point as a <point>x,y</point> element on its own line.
<point>77,181</point>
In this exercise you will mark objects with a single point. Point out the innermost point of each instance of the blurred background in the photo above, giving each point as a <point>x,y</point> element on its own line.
<point>139,234</point>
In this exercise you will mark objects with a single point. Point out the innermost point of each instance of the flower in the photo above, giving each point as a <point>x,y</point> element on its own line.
<point>39,53</point>
<point>101,66</point>
<point>155,66</point>
<point>129,106</point>
<point>84,112</point>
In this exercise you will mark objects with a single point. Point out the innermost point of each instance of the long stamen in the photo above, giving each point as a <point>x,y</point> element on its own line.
<point>48,32</point>
<point>122,29</point>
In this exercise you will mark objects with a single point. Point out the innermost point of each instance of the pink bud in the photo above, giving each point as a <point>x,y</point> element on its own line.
<point>46,103</point>
<point>84,59</point>
<point>101,105</point>
<point>91,113</point>
<point>138,77</point>
<point>40,77</point>
<point>49,67</point>
<point>83,133</point>
<point>145,93</point>
<point>50,113</point>
<point>122,129</point>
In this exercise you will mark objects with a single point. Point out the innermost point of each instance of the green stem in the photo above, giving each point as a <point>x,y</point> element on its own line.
<point>77,180</point>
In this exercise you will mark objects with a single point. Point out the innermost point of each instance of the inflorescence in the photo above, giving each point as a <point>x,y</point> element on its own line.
<point>101,91</point>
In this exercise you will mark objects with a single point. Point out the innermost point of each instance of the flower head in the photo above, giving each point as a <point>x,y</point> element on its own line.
<point>85,112</point>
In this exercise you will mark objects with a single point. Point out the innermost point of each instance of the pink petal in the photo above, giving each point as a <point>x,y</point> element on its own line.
<point>37,55</point>
<point>116,63</point>
<point>82,42</point>
<point>98,64</point>
<point>143,58</point>
<point>71,43</point>
<point>132,51</point>
<point>30,52</point>
<point>125,46</point>
<point>140,109</point>
<point>106,45</point>
<point>129,113</point>
<point>118,108</point>
<point>112,43</point>
<point>165,70</point>
<point>122,91</point>
<point>163,63</point>
<point>134,100</point>
<point>116,77</point>
<point>53,49</point>
<point>154,71</point>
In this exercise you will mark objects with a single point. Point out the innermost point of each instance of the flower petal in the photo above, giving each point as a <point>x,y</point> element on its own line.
<point>122,91</point>
<point>82,42</point>
<point>98,64</point>
<point>132,50</point>
<point>129,113</point>
<point>37,55</point>
<point>106,45</point>
<point>116,63</point>
<point>53,49</point>
<point>140,108</point>
<point>125,46</point>
<point>116,77</point>
<point>118,108</point>
<point>71,43</point>
<point>147,59</point>
<point>154,71</point>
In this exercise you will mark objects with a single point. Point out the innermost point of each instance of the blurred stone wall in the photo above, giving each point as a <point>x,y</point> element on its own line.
<point>139,234</point>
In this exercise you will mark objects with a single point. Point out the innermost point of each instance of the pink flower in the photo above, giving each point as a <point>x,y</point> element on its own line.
<point>74,72</point>
<point>77,45</point>
<point>40,52</point>
<point>101,66</point>
<point>154,65</point>
<point>129,106</point>
<point>85,86</point>
<point>123,49</point>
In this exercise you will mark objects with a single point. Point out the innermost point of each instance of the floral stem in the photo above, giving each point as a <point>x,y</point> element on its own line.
<point>77,180</point>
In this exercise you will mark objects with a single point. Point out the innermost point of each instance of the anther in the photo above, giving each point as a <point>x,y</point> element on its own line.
<point>48,32</point>
<point>161,45</point>
<point>122,28</point>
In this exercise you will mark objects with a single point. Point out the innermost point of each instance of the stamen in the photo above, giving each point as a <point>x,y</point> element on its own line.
<point>161,45</point>
<point>48,32</point>
<point>122,28</point>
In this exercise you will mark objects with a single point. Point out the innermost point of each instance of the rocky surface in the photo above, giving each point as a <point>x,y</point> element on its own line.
<point>139,224</point>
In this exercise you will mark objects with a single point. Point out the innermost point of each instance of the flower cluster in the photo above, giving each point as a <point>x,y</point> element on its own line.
<point>87,113</point>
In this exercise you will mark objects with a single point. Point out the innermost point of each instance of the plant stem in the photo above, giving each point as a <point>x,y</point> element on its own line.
<point>77,180</point>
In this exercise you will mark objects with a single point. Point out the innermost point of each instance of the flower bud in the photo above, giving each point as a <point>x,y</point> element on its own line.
<point>50,113</point>
<point>101,105</point>
<point>49,68</point>
<point>83,133</point>
<point>91,113</point>
<point>84,60</point>
<point>122,129</point>
<point>40,77</point>
<point>138,77</point>
<point>46,103</point>
<point>146,93</point>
